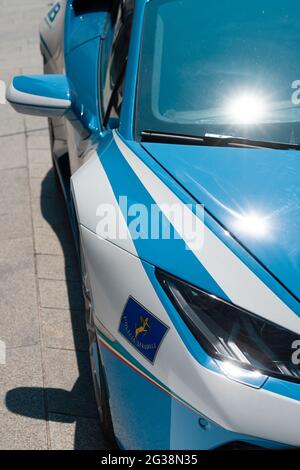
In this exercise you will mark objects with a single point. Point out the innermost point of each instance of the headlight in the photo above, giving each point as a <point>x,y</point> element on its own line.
<point>231,334</point>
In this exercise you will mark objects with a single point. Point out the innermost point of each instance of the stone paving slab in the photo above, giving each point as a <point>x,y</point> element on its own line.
<point>64,329</point>
<point>49,243</point>
<point>73,432</point>
<point>13,152</point>
<point>22,381</point>
<point>46,393</point>
<point>19,323</point>
<point>22,433</point>
<point>49,187</point>
<point>69,383</point>
<point>57,268</point>
<point>15,210</point>
<point>60,294</point>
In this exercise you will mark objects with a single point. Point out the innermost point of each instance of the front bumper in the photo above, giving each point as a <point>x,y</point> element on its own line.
<point>157,419</point>
<point>160,405</point>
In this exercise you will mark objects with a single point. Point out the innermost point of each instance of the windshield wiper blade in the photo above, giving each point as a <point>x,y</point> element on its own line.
<point>213,140</point>
<point>165,137</point>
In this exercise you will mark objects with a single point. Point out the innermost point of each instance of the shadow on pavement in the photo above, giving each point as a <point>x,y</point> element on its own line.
<point>62,406</point>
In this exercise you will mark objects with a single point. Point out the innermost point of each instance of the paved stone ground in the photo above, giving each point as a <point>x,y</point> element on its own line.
<point>46,396</point>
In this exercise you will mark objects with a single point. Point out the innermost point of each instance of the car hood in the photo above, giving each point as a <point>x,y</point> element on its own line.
<point>253,193</point>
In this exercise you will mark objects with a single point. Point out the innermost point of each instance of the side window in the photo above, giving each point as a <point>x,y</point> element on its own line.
<point>114,71</point>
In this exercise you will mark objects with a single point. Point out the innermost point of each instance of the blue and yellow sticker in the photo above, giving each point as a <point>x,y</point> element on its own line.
<point>142,329</point>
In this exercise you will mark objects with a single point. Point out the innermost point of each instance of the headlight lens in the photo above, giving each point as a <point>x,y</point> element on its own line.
<point>228,333</point>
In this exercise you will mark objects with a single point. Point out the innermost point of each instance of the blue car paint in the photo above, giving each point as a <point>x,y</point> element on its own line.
<point>189,340</point>
<point>82,28</point>
<point>124,182</point>
<point>128,105</point>
<point>127,131</point>
<point>232,182</point>
<point>104,56</point>
<point>51,86</point>
<point>137,422</point>
<point>272,384</point>
<point>283,388</point>
<point>81,69</point>
<point>172,424</point>
<point>217,229</point>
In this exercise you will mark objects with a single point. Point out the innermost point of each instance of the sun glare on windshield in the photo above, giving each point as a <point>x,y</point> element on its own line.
<point>246,109</point>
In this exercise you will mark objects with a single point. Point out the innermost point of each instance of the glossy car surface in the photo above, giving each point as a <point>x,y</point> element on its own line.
<point>194,341</point>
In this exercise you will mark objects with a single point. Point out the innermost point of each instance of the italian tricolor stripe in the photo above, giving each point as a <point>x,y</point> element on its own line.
<point>115,349</point>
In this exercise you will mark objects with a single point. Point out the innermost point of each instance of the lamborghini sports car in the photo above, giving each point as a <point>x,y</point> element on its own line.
<point>175,134</point>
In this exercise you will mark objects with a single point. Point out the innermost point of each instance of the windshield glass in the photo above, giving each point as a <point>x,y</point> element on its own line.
<point>225,67</point>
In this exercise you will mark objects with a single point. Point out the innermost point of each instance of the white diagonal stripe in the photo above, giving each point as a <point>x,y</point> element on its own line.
<point>239,283</point>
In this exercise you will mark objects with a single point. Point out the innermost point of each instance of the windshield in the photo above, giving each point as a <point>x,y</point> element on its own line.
<point>225,67</point>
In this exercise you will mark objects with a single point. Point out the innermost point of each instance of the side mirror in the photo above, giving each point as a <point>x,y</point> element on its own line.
<point>40,95</point>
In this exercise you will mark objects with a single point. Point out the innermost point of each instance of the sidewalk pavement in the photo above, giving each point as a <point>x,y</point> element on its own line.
<point>46,395</point>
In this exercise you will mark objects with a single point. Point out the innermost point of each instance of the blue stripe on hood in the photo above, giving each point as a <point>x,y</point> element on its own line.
<point>254,193</point>
<point>170,255</point>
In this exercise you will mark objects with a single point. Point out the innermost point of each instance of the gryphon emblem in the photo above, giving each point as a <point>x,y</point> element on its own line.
<point>144,328</point>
